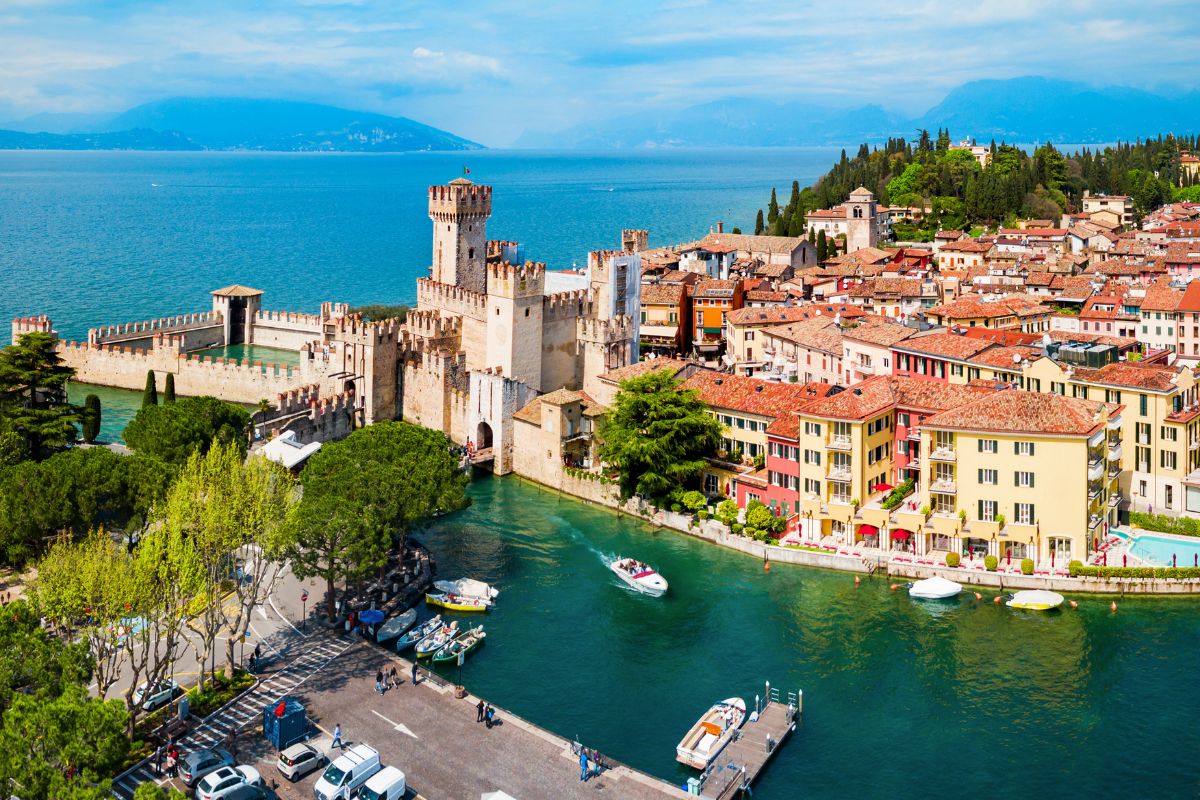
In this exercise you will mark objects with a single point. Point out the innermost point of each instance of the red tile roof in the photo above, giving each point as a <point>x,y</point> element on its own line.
<point>1126,375</point>
<point>752,396</point>
<point>944,344</point>
<point>1013,411</point>
<point>663,293</point>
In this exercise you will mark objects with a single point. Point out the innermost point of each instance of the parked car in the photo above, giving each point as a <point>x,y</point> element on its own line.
<point>195,765</point>
<point>298,760</point>
<point>218,784</point>
<point>162,693</point>
<point>344,776</point>
<point>387,784</point>
<point>247,792</point>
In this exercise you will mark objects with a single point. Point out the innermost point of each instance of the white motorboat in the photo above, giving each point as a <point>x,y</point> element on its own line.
<point>468,587</point>
<point>708,737</point>
<point>396,626</point>
<point>934,589</point>
<point>436,641</point>
<point>1035,600</point>
<point>640,576</point>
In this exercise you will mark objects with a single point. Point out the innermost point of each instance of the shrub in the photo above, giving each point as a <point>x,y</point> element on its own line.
<point>897,495</point>
<point>91,418</point>
<point>752,532</point>
<point>676,507</point>
<point>1074,565</point>
<point>703,515</point>
<point>1000,520</point>
<point>727,512</point>
<point>759,517</point>
<point>149,791</point>
<point>925,510</point>
<point>737,528</point>
<point>952,559</point>
<point>693,501</point>
<point>990,562</point>
<point>1185,526</point>
<point>1026,566</point>
<point>1176,573</point>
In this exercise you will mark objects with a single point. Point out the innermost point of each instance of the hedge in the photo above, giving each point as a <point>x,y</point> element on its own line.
<point>897,495</point>
<point>1164,524</point>
<point>952,559</point>
<point>1178,573</point>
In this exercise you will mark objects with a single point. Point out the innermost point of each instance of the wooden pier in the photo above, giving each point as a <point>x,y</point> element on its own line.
<point>741,762</point>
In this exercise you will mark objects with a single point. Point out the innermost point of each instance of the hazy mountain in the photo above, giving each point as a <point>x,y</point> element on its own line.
<point>187,123</point>
<point>1017,110</point>
<point>61,122</point>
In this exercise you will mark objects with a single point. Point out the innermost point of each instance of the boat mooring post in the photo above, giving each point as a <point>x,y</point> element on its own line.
<point>757,707</point>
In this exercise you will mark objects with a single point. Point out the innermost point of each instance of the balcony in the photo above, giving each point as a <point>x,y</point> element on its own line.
<point>865,369</point>
<point>1114,469</point>
<point>1094,522</point>
<point>943,486</point>
<point>1114,423</point>
<point>1114,452</point>
<point>914,434</point>
<point>1095,469</point>
<point>838,442</point>
<point>942,453</point>
<point>1194,444</point>
<point>1094,490</point>
<point>913,463</point>
<point>839,473</point>
<point>1114,500</point>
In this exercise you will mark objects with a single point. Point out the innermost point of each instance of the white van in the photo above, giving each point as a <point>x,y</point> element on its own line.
<point>387,784</point>
<point>350,771</point>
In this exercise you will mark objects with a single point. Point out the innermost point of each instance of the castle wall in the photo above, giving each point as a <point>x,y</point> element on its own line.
<point>192,331</point>
<point>493,401</point>
<point>561,361</point>
<point>313,418</point>
<point>285,330</point>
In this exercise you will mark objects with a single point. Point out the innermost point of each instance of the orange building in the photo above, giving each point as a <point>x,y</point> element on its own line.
<point>711,301</point>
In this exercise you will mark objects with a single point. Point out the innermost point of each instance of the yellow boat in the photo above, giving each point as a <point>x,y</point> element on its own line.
<point>1036,600</point>
<point>455,602</point>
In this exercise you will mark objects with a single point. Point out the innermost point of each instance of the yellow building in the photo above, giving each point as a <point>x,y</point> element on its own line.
<point>1016,474</point>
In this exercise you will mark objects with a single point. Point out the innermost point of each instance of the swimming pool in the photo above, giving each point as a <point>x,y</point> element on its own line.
<point>1158,550</point>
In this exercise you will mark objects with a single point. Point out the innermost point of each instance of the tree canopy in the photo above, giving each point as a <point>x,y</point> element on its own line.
<point>368,489</point>
<point>657,436</point>
<point>33,394</point>
<point>174,431</point>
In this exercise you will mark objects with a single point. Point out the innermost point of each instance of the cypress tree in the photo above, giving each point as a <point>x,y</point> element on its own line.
<point>91,418</point>
<point>822,247</point>
<point>150,393</point>
<point>169,389</point>
<point>773,208</point>
<point>759,227</point>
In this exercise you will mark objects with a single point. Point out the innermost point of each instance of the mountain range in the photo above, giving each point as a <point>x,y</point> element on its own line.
<point>220,123</point>
<point>1030,109</point>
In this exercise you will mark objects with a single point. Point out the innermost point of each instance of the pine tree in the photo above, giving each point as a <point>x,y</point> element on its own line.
<point>169,388</point>
<point>150,393</point>
<point>91,418</point>
<point>758,224</point>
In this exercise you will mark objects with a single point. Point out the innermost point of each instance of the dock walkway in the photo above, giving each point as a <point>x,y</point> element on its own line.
<point>757,742</point>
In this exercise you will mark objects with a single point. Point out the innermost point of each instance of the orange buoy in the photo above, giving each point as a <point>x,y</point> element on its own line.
<point>1074,604</point>
<point>1114,606</point>
<point>895,586</point>
<point>857,580</point>
<point>997,600</point>
<point>978,596</point>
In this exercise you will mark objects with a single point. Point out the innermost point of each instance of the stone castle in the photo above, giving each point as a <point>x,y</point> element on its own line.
<point>488,335</point>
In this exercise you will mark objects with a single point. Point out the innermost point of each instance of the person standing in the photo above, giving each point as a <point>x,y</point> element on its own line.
<point>337,737</point>
<point>158,760</point>
<point>479,712</point>
<point>414,673</point>
<point>583,765</point>
<point>490,715</point>
<point>379,681</point>
<point>393,678</point>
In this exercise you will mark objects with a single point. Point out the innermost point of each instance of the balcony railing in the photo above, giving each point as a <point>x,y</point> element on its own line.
<point>914,435</point>
<point>1194,444</point>
<point>1095,469</point>
<point>1114,452</point>
<point>913,463</point>
<point>838,442</point>
<point>865,369</point>
<point>943,485</point>
<point>838,473</point>
<point>1095,522</point>
<point>1114,469</point>
<point>942,453</point>
<point>1114,500</point>
<point>1094,490</point>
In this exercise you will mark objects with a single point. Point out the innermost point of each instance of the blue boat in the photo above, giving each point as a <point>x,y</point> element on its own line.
<point>418,633</point>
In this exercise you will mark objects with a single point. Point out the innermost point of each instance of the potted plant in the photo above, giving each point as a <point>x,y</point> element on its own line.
<point>1026,566</point>
<point>952,559</point>
<point>1000,521</point>
<point>962,515</point>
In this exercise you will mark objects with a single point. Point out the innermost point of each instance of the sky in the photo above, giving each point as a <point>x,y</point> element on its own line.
<point>490,69</point>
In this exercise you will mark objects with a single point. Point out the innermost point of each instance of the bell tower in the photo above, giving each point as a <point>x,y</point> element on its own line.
<point>459,212</point>
<point>861,220</point>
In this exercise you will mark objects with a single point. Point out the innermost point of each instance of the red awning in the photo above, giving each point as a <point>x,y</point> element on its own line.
<point>900,533</point>
<point>884,487</point>
<point>868,530</point>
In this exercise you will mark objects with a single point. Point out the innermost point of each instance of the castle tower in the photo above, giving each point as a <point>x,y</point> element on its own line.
<point>634,240</point>
<point>514,321</point>
<point>459,212</point>
<point>861,220</point>
<point>238,305</point>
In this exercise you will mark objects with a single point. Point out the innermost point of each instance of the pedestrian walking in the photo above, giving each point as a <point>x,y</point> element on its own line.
<point>337,737</point>
<point>379,681</point>
<point>394,679</point>
<point>158,760</point>
<point>414,673</point>
<point>258,651</point>
<point>253,662</point>
<point>583,765</point>
<point>479,712</point>
<point>489,716</point>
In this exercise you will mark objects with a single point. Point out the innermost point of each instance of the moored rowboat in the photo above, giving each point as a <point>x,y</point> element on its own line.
<point>708,737</point>
<point>438,639</point>
<point>425,629</point>
<point>464,644</point>
<point>455,602</point>
<point>396,626</point>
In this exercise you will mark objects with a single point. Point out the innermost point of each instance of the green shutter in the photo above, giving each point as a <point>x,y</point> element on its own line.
<point>1016,448</point>
<point>1032,478</point>
<point>1016,479</point>
<point>980,515</point>
<point>980,443</point>
<point>1031,448</point>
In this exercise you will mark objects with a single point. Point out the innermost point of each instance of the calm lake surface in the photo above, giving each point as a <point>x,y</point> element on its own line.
<point>97,238</point>
<point>902,699</point>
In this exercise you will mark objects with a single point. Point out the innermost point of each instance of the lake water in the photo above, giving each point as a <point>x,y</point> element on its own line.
<point>92,238</point>
<point>902,699</point>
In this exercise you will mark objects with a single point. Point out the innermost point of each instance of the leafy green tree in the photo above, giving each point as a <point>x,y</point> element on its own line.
<point>391,476</point>
<point>33,394</point>
<point>727,512</point>
<point>64,748</point>
<point>169,388</point>
<point>13,449</point>
<point>149,791</point>
<point>150,393</point>
<point>657,436</point>
<point>33,663</point>
<point>693,501</point>
<point>173,432</point>
<point>91,418</point>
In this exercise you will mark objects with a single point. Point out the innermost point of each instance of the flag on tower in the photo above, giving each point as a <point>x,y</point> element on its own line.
<point>466,170</point>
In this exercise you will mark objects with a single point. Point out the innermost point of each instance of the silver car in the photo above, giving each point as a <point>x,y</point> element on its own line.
<point>195,765</point>
<point>220,783</point>
<point>298,760</point>
<point>151,697</point>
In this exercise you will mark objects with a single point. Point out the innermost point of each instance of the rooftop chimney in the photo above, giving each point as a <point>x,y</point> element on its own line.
<point>720,226</point>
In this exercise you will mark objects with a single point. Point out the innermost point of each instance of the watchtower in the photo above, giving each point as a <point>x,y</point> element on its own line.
<point>459,212</point>
<point>635,240</point>
<point>861,220</point>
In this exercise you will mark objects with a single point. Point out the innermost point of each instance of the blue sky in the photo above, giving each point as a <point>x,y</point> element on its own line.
<point>488,69</point>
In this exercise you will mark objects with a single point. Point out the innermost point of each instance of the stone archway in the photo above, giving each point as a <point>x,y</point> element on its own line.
<point>483,436</point>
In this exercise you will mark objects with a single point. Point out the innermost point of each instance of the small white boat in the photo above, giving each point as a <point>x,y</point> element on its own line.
<point>468,587</point>
<point>934,589</point>
<point>640,576</point>
<point>426,629</point>
<point>396,626</point>
<point>1035,600</point>
<point>436,641</point>
<point>708,737</point>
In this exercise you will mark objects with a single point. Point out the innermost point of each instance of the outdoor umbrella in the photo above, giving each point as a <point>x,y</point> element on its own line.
<point>372,616</point>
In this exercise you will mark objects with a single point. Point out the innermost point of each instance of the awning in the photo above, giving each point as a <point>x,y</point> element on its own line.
<point>868,530</point>
<point>884,487</point>
<point>900,533</point>
<point>665,331</point>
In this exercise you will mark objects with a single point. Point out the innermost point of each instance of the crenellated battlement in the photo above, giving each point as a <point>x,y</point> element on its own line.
<point>36,324</point>
<point>309,398</point>
<point>635,240</point>
<point>605,330</point>
<point>147,328</point>
<point>573,303</point>
<point>596,257</point>
<point>354,329</point>
<point>430,324</point>
<point>513,281</point>
<point>294,318</point>
<point>449,298</point>
<point>458,200</point>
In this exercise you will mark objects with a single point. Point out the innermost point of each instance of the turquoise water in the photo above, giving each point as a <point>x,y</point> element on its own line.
<point>1159,550</point>
<point>253,352</point>
<point>901,699</point>
<point>92,238</point>
<point>117,407</point>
